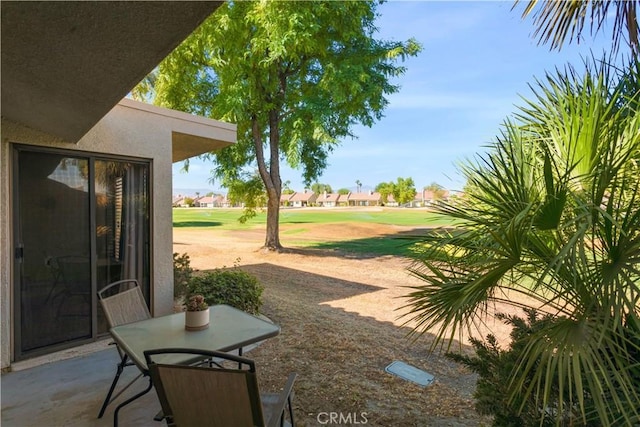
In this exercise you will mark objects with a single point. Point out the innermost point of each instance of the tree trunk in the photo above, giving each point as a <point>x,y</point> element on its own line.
<point>272,239</point>
<point>271,179</point>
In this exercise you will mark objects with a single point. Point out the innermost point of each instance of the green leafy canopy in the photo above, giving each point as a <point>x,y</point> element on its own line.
<point>295,77</point>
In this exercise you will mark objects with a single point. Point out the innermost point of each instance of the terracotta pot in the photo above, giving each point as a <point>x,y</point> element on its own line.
<point>196,320</point>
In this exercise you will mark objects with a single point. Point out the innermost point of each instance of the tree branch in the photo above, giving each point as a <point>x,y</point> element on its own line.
<point>259,147</point>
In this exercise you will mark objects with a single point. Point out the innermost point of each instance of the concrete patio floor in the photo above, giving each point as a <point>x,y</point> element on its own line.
<point>70,393</point>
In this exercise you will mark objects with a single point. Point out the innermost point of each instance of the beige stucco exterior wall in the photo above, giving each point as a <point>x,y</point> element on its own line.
<point>129,129</point>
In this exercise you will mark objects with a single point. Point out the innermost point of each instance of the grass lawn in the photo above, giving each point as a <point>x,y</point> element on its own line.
<point>228,218</point>
<point>302,221</point>
<point>372,246</point>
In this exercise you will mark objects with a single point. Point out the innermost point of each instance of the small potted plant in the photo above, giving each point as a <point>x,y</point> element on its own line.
<point>196,317</point>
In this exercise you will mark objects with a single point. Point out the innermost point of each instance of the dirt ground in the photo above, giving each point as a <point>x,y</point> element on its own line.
<point>341,323</point>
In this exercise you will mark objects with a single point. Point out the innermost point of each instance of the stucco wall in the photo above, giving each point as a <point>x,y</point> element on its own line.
<point>123,131</point>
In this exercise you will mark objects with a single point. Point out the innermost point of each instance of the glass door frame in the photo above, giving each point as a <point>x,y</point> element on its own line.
<point>16,242</point>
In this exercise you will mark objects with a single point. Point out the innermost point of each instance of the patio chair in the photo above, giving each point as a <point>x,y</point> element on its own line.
<point>213,394</point>
<point>122,302</point>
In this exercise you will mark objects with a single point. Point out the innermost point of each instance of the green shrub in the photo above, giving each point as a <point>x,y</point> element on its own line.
<point>233,287</point>
<point>495,367</point>
<point>182,274</point>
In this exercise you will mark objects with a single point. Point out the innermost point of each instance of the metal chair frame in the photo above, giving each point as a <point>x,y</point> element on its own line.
<point>116,319</point>
<point>216,374</point>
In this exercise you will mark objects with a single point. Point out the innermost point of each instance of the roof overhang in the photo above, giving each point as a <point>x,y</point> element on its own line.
<point>66,64</point>
<point>191,135</point>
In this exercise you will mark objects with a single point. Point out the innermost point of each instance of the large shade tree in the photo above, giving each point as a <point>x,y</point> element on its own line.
<point>552,212</point>
<point>403,190</point>
<point>295,77</point>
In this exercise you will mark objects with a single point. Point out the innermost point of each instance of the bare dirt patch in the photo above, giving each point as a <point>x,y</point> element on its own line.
<point>341,325</point>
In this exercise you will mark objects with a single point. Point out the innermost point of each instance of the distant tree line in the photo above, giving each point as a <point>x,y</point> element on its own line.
<point>403,191</point>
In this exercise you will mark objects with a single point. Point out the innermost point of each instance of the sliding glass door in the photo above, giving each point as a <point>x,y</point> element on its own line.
<point>80,222</point>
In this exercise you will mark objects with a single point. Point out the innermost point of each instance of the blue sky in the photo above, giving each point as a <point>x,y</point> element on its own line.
<point>477,60</point>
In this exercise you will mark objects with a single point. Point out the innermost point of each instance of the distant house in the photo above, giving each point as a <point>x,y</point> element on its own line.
<point>329,200</point>
<point>220,201</point>
<point>225,202</point>
<point>419,199</point>
<point>285,199</point>
<point>181,202</point>
<point>365,199</point>
<point>215,201</point>
<point>426,198</point>
<point>305,198</point>
<point>391,201</point>
<point>204,202</point>
<point>176,200</point>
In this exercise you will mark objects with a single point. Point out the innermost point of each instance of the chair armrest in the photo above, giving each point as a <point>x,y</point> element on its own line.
<point>283,398</point>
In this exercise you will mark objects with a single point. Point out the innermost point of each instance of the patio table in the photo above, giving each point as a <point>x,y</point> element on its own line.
<point>229,329</point>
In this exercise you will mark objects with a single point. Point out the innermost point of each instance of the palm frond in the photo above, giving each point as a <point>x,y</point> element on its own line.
<point>556,21</point>
<point>552,212</point>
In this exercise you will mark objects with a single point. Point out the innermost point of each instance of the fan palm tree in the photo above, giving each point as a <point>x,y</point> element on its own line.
<point>555,21</point>
<point>553,212</point>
